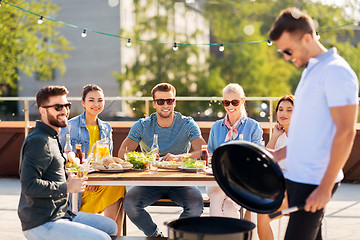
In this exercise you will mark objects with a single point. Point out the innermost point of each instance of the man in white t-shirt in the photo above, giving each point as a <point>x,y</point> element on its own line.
<point>322,127</point>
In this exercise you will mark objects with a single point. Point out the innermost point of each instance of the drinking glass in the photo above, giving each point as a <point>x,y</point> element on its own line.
<point>200,166</point>
<point>83,171</point>
<point>153,165</point>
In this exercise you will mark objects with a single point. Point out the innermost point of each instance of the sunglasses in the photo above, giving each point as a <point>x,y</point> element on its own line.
<point>59,107</point>
<point>285,51</point>
<point>288,51</point>
<point>234,102</point>
<point>169,101</point>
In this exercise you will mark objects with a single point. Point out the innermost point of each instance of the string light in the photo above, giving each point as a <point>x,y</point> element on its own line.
<point>175,47</point>
<point>221,48</point>
<point>128,44</point>
<point>84,34</point>
<point>317,36</point>
<point>41,20</point>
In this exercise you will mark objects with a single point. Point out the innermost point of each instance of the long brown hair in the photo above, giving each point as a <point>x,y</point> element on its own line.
<point>289,98</point>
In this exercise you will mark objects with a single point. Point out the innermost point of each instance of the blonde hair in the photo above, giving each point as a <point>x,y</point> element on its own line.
<point>236,88</point>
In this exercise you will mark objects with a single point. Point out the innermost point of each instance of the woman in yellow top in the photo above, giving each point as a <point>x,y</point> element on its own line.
<point>86,129</point>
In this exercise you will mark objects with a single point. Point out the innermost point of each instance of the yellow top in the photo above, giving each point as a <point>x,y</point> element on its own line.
<point>94,135</point>
<point>104,196</point>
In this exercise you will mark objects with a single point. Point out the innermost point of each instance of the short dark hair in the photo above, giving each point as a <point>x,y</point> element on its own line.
<point>88,88</point>
<point>163,87</point>
<point>43,95</point>
<point>289,98</point>
<point>291,20</point>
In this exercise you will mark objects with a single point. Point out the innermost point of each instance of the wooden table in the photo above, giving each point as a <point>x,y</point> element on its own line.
<point>164,177</point>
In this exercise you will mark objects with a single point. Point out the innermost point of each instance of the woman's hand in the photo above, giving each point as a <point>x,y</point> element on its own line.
<point>278,130</point>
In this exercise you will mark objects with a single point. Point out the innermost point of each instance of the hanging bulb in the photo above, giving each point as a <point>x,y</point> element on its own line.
<point>317,36</point>
<point>269,43</point>
<point>83,34</point>
<point>128,44</point>
<point>41,20</point>
<point>221,48</point>
<point>175,47</point>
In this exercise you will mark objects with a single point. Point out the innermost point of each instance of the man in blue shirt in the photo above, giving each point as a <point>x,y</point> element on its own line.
<point>176,134</point>
<point>322,127</point>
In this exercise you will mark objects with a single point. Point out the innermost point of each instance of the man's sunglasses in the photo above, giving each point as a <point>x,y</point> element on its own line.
<point>234,102</point>
<point>285,51</point>
<point>59,107</point>
<point>169,101</point>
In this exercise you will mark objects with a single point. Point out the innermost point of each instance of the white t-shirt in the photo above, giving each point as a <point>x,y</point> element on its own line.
<point>328,81</point>
<point>282,142</point>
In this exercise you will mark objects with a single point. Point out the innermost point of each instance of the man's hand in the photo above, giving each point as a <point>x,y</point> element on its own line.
<point>317,199</point>
<point>172,157</point>
<point>74,184</point>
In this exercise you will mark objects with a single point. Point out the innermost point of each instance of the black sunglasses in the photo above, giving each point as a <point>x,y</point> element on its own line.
<point>59,107</point>
<point>169,101</point>
<point>234,102</point>
<point>285,51</point>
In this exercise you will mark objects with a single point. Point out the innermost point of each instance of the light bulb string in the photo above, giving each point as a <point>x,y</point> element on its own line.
<point>160,42</point>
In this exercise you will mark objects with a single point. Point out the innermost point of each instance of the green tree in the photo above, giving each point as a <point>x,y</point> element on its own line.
<point>257,66</point>
<point>156,62</point>
<point>27,46</point>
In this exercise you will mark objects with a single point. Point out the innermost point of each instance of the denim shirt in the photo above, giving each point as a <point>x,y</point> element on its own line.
<point>250,129</point>
<point>79,134</point>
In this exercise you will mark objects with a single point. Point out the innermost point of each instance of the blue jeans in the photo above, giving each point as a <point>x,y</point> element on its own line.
<point>139,197</point>
<point>84,226</point>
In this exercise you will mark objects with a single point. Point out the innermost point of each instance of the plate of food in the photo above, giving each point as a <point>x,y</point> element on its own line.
<point>139,159</point>
<point>169,164</point>
<point>209,170</point>
<point>191,165</point>
<point>112,164</point>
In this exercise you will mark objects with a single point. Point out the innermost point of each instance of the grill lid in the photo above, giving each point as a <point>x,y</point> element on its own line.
<point>249,175</point>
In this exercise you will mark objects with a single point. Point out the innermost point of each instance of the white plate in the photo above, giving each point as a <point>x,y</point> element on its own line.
<point>209,171</point>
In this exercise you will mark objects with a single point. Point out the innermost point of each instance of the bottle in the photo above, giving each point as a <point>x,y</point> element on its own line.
<point>205,154</point>
<point>78,153</point>
<point>67,147</point>
<point>155,145</point>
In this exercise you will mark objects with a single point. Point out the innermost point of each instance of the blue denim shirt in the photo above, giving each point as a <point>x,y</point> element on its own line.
<point>79,134</point>
<point>250,129</point>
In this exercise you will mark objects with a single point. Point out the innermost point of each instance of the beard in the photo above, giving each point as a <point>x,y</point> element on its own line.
<point>55,122</point>
<point>165,115</point>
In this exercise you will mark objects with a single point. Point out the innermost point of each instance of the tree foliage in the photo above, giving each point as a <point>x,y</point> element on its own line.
<point>257,67</point>
<point>27,46</point>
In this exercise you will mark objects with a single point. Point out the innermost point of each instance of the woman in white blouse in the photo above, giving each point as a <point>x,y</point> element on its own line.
<point>278,140</point>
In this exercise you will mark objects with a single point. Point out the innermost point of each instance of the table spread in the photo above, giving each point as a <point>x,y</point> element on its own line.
<point>164,177</point>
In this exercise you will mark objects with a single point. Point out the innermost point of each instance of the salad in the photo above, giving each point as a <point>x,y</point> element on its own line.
<point>139,159</point>
<point>192,163</point>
